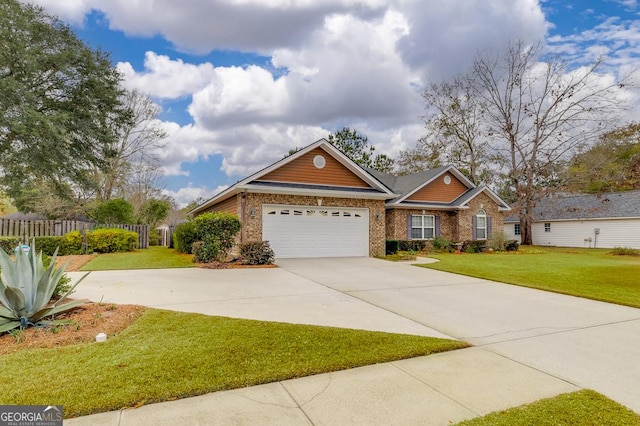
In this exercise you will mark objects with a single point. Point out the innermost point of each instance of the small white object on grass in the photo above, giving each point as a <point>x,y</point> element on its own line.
<point>101,337</point>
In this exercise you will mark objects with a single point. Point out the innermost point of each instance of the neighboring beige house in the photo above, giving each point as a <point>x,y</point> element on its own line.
<point>584,220</point>
<point>318,203</point>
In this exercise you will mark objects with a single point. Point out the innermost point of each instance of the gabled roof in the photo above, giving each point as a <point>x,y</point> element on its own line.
<point>587,206</point>
<point>377,189</point>
<point>465,198</point>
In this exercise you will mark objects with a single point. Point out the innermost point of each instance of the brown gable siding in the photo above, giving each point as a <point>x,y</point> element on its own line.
<point>229,205</point>
<point>302,170</point>
<point>438,191</point>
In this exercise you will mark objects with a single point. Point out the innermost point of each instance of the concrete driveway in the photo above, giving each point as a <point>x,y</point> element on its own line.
<point>590,344</point>
<point>586,343</point>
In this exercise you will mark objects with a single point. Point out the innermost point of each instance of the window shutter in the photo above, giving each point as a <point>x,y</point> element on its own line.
<point>474,228</point>
<point>489,227</point>
<point>409,227</point>
<point>437,230</point>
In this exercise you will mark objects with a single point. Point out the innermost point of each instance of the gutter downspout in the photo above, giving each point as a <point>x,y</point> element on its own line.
<point>242,215</point>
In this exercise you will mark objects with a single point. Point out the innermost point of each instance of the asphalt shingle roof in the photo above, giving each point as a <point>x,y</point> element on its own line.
<point>406,183</point>
<point>588,206</point>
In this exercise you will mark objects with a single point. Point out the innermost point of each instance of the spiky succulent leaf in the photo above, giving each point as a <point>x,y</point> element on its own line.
<point>15,297</point>
<point>9,325</point>
<point>53,310</point>
<point>71,289</point>
<point>26,288</point>
<point>6,314</point>
<point>24,275</point>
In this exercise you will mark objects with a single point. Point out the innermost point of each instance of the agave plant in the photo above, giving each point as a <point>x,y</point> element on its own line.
<point>26,288</point>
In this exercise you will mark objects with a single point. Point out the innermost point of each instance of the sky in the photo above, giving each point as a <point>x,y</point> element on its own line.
<point>240,82</point>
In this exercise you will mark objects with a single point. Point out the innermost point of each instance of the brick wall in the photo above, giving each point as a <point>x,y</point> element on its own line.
<point>252,224</point>
<point>482,201</point>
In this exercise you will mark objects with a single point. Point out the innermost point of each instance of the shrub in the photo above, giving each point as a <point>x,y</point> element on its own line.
<point>473,246</point>
<point>217,231</point>
<point>184,236</point>
<point>512,245</point>
<point>256,253</point>
<point>391,247</point>
<point>48,245</point>
<point>199,256</point>
<point>442,244</point>
<point>154,238</point>
<point>498,241</point>
<point>110,240</point>
<point>625,251</point>
<point>9,243</point>
<point>411,245</point>
<point>73,242</point>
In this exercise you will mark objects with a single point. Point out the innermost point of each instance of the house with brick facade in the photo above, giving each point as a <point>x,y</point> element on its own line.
<point>319,203</point>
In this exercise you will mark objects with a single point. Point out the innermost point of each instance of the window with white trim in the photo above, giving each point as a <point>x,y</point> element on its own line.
<point>481,225</point>
<point>547,227</point>
<point>423,227</point>
<point>516,229</point>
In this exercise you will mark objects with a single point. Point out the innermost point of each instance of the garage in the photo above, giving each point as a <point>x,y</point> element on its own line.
<point>312,231</point>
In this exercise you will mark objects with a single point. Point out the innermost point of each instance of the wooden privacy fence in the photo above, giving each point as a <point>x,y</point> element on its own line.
<point>27,229</point>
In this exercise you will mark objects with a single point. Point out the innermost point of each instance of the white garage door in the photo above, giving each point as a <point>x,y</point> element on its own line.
<point>298,231</point>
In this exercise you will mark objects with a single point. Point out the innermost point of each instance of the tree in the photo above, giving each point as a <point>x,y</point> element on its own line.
<point>612,164</point>
<point>356,146</point>
<point>454,132</point>
<point>538,113</point>
<point>116,211</point>
<point>131,160</point>
<point>57,98</point>
<point>153,211</point>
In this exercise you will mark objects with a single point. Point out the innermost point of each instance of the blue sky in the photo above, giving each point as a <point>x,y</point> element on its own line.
<point>240,82</point>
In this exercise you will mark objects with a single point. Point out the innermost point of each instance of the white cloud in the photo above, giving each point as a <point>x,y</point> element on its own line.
<point>166,78</point>
<point>190,193</point>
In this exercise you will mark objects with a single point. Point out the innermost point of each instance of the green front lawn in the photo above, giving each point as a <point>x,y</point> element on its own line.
<point>581,408</point>
<point>151,258</point>
<point>167,355</point>
<point>590,273</point>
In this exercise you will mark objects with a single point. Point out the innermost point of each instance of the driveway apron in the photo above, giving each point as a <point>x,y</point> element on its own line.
<point>588,343</point>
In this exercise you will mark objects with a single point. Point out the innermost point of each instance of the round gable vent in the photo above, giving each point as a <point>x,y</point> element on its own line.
<point>319,162</point>
<point>447,180</point>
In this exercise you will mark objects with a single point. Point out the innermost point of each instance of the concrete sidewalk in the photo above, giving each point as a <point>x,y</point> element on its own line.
<point>434,390</point>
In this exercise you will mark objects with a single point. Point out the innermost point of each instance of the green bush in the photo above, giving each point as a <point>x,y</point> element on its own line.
<point>217,231</point>
<point>512,245</point>
<point>111,240</point>
<point>391,247</point>
<point>8,244</point>
<point>625,251</point>
<point>412,245</point>
<point>442,244</point>
<point>73,242</point>
<point>256,253</point>
<point>473,246</point>
<point>498,241</point>
<point>154,238</point>
<point>48,245</point>
<point>184,236</point>
<point>199,256</point>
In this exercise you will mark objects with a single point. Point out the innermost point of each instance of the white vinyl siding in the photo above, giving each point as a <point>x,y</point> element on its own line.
<point>576,233</point>
<point>312,231</point>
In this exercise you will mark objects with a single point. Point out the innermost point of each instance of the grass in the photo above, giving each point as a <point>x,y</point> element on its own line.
<point>167,355</point>
<point>152,258</point>
<point>582,408</point>
<point>589,273</point>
